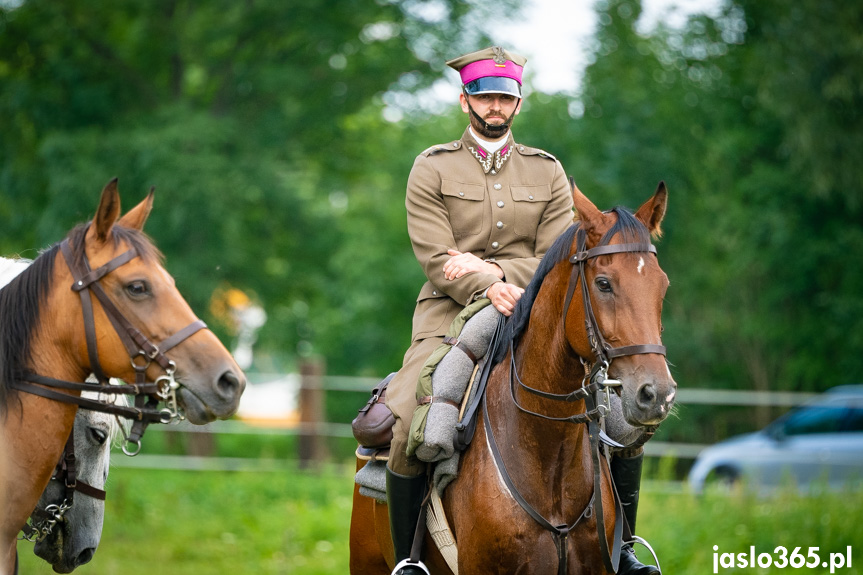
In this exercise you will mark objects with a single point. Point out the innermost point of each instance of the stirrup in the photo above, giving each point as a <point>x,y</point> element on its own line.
<point>637,539</point>
<point>409,563</point>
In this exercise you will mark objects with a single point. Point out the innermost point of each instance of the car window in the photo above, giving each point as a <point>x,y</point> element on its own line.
<point>853,420</point>
<point>815,419</point>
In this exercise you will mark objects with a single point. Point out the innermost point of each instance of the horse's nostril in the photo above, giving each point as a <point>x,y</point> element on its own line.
<point>229,384</point>
<point>646,395</point>
<point>85,556</point>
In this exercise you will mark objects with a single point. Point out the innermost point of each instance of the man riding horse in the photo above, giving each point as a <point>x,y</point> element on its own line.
<point>481,212</point>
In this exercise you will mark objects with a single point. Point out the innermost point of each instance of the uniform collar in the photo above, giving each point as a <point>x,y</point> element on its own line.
<point>490,162</point>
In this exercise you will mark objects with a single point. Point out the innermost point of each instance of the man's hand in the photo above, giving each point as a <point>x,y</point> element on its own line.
<point>504,296</point>
<point>464,263</point>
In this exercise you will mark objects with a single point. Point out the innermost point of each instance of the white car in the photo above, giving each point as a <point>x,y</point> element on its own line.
<point>818,444</point>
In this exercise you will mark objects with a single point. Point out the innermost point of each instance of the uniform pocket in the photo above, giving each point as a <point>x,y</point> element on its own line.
<point>464,202</point>
<point>529,207</point>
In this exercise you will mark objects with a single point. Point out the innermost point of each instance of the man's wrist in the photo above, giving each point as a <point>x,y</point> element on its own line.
<point>498,271</point>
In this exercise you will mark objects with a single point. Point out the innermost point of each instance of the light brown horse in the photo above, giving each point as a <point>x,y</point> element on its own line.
<point>42,332</point>
<point>544,448</point>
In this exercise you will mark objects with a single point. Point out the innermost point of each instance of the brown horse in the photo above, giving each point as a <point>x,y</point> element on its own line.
<point>532,445</point>
<point>42,333</point>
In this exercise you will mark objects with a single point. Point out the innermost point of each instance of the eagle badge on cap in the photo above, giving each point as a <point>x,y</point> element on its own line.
<point>498,56</point>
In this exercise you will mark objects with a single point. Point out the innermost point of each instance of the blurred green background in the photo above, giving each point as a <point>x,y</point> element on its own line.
<point>279,137</point>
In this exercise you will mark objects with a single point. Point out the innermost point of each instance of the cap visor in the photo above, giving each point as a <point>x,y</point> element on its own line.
<point>493,85</point>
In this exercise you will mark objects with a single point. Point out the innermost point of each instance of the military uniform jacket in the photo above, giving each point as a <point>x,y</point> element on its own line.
<point>507,207</point>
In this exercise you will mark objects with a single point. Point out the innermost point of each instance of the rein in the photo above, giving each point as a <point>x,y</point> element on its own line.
<point>595,383</point>
<point>142,352</point>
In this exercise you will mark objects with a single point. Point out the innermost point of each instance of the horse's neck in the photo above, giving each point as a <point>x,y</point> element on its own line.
<point>543,361</point>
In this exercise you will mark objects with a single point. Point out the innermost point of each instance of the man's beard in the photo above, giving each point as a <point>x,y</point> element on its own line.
<point>480,129</point>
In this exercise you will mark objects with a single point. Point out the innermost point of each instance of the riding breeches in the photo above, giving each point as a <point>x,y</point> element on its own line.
<point>402,401</point>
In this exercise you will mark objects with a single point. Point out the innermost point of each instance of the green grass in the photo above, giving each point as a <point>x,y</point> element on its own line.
<point>296,522</point>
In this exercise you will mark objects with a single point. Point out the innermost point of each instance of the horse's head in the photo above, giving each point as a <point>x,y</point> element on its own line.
<point>73,540</point>
<point>626,290</point>
<point>145,294</point>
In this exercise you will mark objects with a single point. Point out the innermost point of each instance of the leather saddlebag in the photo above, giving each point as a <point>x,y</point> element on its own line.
<point>373,426</point>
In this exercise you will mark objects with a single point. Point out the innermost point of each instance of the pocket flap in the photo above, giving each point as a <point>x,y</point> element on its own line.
<point>473,192</point>
<point>531,193</point>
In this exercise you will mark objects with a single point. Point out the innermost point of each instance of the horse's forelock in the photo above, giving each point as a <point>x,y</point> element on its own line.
<point>137,239</point>
<point>627,226</point>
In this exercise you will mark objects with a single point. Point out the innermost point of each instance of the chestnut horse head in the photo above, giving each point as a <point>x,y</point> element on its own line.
<point>45,330</point>
<point>626,292</point>
<point>617,322</point>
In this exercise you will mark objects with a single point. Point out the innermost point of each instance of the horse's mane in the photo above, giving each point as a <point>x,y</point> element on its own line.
<point>631,229</point>
<point>21,299</point>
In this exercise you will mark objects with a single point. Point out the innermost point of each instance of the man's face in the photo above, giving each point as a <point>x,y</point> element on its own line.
<point>495,109</point>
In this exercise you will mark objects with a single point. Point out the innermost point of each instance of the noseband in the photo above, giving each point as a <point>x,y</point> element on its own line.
<point>595,382</point>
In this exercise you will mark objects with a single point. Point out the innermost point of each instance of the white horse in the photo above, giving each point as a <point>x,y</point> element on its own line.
<point>74,538</point>
<point>70,530</point>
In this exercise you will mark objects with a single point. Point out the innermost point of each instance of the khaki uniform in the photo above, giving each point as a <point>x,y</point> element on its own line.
<point>507,207</point>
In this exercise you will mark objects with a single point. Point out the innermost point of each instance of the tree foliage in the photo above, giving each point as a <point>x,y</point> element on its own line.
<point>276,172</point>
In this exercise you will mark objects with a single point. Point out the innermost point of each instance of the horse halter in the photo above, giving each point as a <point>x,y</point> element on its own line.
<point>142,353</point>
<point>42,521</point>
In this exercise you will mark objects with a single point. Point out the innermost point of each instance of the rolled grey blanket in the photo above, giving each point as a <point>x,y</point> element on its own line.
<point>449,381</point>
<point>372,479</point>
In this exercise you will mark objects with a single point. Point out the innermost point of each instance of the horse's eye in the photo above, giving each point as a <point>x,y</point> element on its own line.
<point>603,284</point>
<point>98,435</point>
<point>138,289</point>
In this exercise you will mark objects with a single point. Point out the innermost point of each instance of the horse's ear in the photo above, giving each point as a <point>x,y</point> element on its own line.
<point>108,211</point>
<point>653,210</point>
<point>589,215</point>
<point>137,216</point>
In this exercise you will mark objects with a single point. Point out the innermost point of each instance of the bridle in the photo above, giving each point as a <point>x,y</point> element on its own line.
<point>42,521</point>
<point>142,352</point>
<point>595,383</point>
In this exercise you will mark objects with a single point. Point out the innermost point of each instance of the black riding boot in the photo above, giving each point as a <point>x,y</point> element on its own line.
<point>626,472</point>
<point>404,497</point>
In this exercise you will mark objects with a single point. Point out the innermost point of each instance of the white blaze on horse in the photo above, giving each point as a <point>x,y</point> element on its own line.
<point>98,302</point>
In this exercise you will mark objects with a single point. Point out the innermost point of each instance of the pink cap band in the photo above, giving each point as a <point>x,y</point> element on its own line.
<point>485,68</point>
